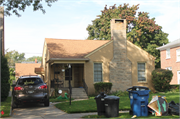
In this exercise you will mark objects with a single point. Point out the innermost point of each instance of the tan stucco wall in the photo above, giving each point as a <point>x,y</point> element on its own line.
<point>137,55</point>
<point>103,56</point>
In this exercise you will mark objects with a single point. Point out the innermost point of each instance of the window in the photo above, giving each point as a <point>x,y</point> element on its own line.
<point>178,55</point>
<point>67,71</point>
<point>141,72</point>
<point>168,53</point>
<point>97,72</point>
<point>169,68</point>
<point>29,81</point>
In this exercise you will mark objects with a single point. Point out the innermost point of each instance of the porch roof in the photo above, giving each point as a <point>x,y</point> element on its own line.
<point>67,60</point>
<point>39,70</point>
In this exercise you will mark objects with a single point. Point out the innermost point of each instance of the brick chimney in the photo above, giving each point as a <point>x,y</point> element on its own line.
<point>36,61</point>
<point>120,66</point>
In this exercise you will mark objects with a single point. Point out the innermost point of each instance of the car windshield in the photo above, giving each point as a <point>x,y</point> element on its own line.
<point>29,81</point>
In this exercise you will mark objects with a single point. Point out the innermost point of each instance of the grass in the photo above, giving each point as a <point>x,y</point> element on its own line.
<point>5,107</point>
<point>124,103</point>
<point>126,115</point>
<point>56,100</point>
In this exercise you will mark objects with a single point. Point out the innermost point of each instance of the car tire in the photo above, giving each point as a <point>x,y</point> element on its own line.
<point>46,103</point>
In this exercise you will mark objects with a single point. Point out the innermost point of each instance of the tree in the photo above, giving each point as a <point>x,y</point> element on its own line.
<point>15,6</point>
<point>5,87</point>
<point>14,57</point>
<point>141,30</point>
<point>33,58</point>
<point>12,75</point>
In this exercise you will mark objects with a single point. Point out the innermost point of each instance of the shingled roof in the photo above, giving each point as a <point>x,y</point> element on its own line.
<point>66,48</point>
<point>25,68</point>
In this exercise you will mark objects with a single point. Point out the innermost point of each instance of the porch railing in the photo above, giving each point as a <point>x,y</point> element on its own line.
<point>85,86</point>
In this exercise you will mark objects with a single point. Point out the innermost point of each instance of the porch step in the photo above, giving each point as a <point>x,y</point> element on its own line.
<point>79,93</point>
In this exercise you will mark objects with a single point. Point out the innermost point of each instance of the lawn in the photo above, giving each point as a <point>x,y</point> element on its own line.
<point>124,103</point>
<point>126,115</point>
<point>5,107</point>
<point>56,100</point>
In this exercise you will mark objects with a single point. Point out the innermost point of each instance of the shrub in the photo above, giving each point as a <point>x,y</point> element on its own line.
<point>103,87</point>
<point>5,86</point>
<point>174,88</point>
<point>161,79</point>
<point>12,75</point>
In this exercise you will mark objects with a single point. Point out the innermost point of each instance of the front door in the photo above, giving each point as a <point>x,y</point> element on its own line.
<point>69,74</point>
<point>178,76</point>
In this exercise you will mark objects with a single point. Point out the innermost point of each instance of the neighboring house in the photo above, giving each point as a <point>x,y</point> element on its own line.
<point>25,69</point>
<point>170,59</point>
<point>117,61</point>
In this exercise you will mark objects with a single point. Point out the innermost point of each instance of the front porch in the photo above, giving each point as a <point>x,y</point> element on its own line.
<point>59,75</point>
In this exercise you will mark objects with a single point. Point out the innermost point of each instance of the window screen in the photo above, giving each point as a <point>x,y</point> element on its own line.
<point>141,72</point>
<point>168,53</point>
<point>178,54</point>
<point>97,72</point>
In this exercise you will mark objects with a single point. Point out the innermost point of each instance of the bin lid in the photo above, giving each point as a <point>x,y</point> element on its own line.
<point>137,88</point>
<point>140,92</point>
<point>111,98</point>
<point>101,95</point>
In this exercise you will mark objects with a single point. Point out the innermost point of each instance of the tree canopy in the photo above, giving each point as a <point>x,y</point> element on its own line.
<point>14,6</point>
<point>141,29</point>
<point>32,59</point>
<point>14,57</point>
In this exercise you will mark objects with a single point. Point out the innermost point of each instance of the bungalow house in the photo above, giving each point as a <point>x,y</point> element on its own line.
<point>117,61</point>
<point>25,68</point>
<point>170,59</point>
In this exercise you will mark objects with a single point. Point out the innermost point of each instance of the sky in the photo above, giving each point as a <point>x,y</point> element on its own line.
<point>68,19</point>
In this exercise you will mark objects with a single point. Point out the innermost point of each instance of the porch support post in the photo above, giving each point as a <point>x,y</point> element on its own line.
<point>70,88</point>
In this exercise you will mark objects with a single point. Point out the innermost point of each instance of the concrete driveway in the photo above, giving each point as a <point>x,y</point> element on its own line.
<point>38,111</point>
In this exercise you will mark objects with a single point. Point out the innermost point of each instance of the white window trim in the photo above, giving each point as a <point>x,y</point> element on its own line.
<point>169,53</point>
<point>145,73</point>
<point>169,68</point>
<point>177,55</point>
<point>178,77</point>
<point>102,72</point>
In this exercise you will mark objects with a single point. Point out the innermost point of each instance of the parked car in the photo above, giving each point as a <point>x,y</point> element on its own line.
<point>30,89</point>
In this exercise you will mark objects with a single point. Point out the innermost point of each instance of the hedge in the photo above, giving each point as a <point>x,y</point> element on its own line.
<point>103,87</point>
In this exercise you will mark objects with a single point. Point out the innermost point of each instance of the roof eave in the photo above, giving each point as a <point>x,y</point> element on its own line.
<point>164,47</point>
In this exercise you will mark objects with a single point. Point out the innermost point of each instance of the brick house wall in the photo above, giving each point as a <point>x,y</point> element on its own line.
<point>171,62</point>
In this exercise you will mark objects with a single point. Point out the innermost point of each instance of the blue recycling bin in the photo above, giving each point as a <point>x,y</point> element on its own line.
<point>138,96</point>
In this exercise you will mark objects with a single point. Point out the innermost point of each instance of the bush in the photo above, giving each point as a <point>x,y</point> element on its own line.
<point>174,88</point>
<point>5,86</point>
<point>12,75</point>
<point>161,79</point>
<point>103,87</point>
